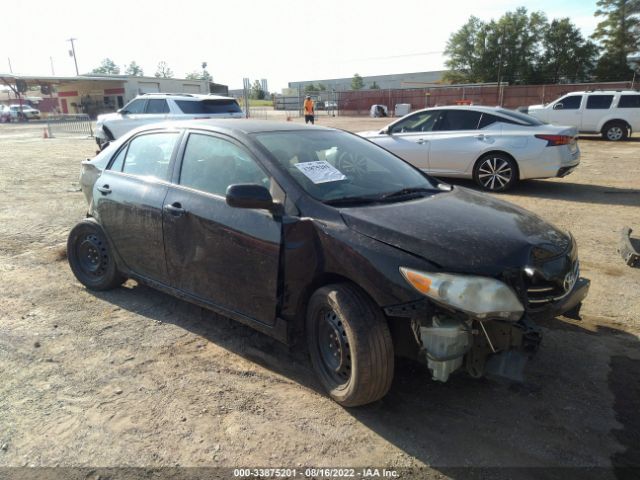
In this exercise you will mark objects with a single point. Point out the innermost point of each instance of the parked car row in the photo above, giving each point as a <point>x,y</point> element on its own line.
<point>16,113</point>
<point>311,232</point>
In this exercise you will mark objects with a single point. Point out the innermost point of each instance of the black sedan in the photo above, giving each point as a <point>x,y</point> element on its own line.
<point>314,231</point>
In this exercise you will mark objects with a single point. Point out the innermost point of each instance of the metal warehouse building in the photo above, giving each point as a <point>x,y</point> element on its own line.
<point>396,80</point>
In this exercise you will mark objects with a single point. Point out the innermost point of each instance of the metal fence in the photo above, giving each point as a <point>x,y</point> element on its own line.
<point>509,96</point>
<point>70,124</point>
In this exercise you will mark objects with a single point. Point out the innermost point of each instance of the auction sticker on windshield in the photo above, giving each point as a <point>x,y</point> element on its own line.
<point>320,171</point>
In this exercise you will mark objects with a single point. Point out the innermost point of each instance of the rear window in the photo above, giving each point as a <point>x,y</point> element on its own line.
<point>209,106</point>
<point>599,102</point>
<point>518,117</point>
<point>629,101</point>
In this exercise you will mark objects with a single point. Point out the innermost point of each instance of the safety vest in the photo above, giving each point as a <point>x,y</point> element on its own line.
<point>308,107</point>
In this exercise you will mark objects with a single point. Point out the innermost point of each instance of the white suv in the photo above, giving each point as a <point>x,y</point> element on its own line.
<point>158,107</point>
<point>613,113</point>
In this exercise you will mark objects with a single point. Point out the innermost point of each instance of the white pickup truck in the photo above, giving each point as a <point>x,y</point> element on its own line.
<point>613,113</point>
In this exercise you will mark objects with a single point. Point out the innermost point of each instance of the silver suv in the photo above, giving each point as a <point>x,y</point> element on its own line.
<point>158,107</point>
<point>613,113</point>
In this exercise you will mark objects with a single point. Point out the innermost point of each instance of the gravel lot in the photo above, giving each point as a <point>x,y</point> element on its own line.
<point>134,377</point>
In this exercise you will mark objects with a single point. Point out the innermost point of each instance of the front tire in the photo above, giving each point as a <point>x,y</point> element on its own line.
<point>350,345</point>
<point>495,172</point>
<point>91,257</point>
<point>615,131</point>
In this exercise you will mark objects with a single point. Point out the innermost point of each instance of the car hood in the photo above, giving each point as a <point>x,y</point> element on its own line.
<point>461,231</point>
<point>108,116</point>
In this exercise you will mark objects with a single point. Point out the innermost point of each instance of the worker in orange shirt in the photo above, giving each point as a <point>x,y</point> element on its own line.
<point>308,110</point>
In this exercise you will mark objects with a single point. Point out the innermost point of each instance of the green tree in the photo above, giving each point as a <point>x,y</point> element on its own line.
<point>310,88</point>
<point>374,86</point>
<point>322,87</point>
<point>163,70</point>
<point>356,82</point>
<point>134,69</point>
<point>257,93</point>
<point>509,47</point>
<point>567,56</point>
<point>107,67</point>
<point>619,35</point>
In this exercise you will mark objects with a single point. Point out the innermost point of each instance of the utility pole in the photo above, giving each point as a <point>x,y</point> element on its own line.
<point>10,69</point>
<point>500,66</point>
<point>73,53</point>
<point>53,73</point>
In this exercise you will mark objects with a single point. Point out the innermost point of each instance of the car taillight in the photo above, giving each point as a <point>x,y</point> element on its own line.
<point>555,140</point>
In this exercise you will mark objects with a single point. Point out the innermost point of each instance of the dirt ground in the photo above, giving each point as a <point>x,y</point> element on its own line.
<point>134,377</point>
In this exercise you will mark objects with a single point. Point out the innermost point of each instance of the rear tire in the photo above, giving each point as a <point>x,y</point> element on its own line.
<point>91,257</point>
<point>615,131</point>
<point>350,345</point>
<point>495,172</point>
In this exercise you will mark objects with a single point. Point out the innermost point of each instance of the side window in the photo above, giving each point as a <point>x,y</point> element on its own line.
<point>488,119</point>
<point>137,106</point>
<point>460,120</point>
<point>211,164</point>
<point>117,163</point>
<point>157,105</point>
<point>629,101</point>
<point>599,102</point>
<point>418,122</point>
<point>569,103</point>
<point>149,155</point>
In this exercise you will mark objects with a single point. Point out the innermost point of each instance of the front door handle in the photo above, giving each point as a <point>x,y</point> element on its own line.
<point>421,141</point>
<point>105,190</point>
<point>175,208</point>
<point>482,136</point>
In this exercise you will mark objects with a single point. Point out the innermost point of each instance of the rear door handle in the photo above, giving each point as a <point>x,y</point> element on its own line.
<point>482,136</point>
<point>420,141</point>
<point>175,208</point>
<point>105,190</point>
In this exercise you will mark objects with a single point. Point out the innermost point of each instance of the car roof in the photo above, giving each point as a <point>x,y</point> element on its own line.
<point>234,126</point>
<point>185,96</point>
<point>608,92</point>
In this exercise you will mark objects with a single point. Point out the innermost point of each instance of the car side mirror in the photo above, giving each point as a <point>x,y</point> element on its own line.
<point>558,106</point>
<point>386,131</point>
<point>249,195</point>
<point>122,111</point>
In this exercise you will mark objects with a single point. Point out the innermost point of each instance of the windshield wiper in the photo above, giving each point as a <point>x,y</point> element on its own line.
<point>351,200</point>
<point>407,191</point>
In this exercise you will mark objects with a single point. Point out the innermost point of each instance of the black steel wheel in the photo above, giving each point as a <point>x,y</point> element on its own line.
<point>495,172</point>
<point>350,345</point>
<point>90,257</point>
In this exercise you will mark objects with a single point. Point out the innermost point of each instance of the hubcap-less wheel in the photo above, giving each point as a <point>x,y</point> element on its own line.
<point>494,173</point>
<point>615,133</point>
<point>334,347</point>
<point>92,256</point>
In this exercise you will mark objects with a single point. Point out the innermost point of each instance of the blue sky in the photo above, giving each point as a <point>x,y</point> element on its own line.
<point>280,40</point>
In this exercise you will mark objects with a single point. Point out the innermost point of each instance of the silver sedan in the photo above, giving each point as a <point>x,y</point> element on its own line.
<point>493,146</point>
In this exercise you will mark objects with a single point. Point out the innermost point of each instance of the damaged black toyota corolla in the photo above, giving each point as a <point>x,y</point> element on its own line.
<point>298,230</point>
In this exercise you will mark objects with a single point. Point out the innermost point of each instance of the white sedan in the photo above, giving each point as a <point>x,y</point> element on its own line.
<point>493,146</point>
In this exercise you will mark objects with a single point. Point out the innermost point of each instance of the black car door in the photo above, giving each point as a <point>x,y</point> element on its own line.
<point>128,200</point>
<point>227,256</point>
